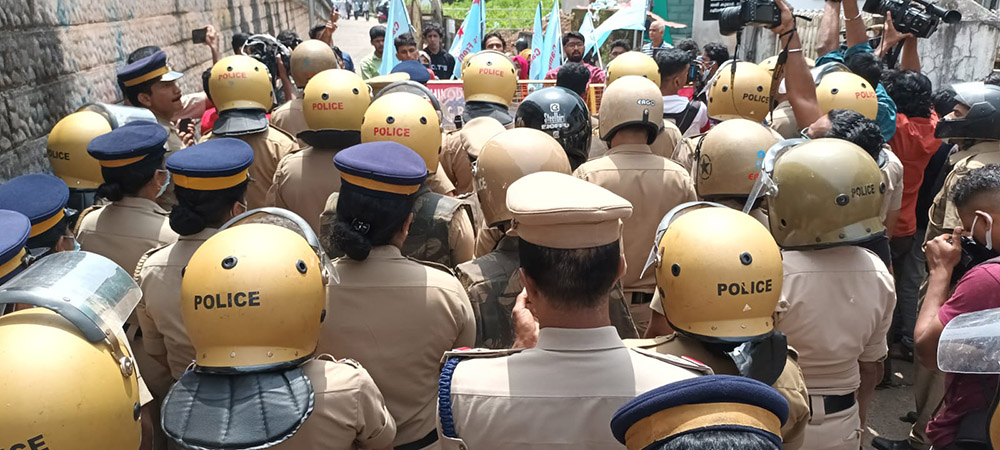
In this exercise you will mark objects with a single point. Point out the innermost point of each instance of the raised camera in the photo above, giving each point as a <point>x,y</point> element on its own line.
<point>920,17</point>
<point>759,13</point>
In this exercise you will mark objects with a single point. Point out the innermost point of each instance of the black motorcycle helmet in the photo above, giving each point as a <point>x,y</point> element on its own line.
<point>563,115</point>
<point>983,119</point>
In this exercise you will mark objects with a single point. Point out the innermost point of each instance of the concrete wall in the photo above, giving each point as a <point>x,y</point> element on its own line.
<point>56,55</point>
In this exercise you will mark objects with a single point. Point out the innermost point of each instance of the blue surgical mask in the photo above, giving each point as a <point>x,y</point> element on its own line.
<point>76,245</point>
<point>163,188</point>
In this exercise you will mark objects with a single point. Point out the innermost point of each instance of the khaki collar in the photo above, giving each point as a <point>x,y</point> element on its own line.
<point>630,148</point>
<point>385,252</point>
<point>579,339</point>
<point>202,235</point>
<point>140,203</point>
<point>977,149</point>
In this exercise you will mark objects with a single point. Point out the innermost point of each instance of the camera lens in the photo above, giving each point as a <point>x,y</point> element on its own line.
<point>729,20</point>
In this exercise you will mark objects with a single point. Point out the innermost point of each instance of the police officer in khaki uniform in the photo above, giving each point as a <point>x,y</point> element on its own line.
<point>394,314</point>
<point>308,59</point>
<point>743,94</point>
<point>574,370</point>
<point>66,150</point>
<point>837,298</point>
<point>241,90</point>
<point>334,104</point>
<point>255,341</point>
<point>211,181</point>
<point>462,147</point>
<point>630,120</point>
<point>442,229</point>
<point>141,78</point>
<point>745,271</point>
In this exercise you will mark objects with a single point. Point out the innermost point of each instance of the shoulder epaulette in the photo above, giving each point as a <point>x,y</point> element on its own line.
<point>142,260</point>
<point>682,362</point>
<point>435,265</point>
<point>463,353</point>
<point>79,219</point>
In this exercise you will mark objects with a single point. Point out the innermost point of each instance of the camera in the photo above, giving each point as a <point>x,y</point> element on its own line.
<point>973,255</point>
<point>760,13</point>
<point>908,17</point>
<point>266,49</point>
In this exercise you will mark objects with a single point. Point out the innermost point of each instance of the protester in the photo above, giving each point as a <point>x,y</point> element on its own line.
<point>618,47</point>
<point>370,65</point>
<point>656,42</point>
<point>441,62</point>
<point>573,45</point>
<point>690,116</point>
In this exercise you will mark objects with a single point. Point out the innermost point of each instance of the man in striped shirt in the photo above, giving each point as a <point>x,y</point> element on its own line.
<point>656,30</point>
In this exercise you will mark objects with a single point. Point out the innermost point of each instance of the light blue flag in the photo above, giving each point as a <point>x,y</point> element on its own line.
<point>398,23</point>
<point>537,43</point>
<point>552,51</point>
<point>469,37</point>
<point>631,18</point>
<point>587,30</point>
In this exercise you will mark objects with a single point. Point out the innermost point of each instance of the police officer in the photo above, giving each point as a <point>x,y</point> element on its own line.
<point>574,370</point>
<point>441,231</point>
<point>562,114</point>
<point>13,255</point>
<point>631,113</point>
<point>745,272</point>
<point>254,313</point>
<point>42,199</point>
<point>462,147</point>
<point>396,315</point>
<point>211,180</point>
<point>836,88</point>
<point>308,59</point>
<point>334,104</point>
<point>744,93</point>
<point>150,83</point>
<point>837,298</point>
<point>66,150</point>
<point>241,90</point>
<point>730,156</point>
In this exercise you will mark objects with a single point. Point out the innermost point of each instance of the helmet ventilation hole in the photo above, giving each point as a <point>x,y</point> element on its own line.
<point>301,266</point>
<point>390,119</point>
<point>746,258</point>
<point>675,269</point>
<point>229,262</point>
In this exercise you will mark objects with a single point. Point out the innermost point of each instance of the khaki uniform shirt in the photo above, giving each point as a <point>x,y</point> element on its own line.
<point>397,316</point>
<point>439,183</point>
<point>269,147</point>
<point>790,384</point>
<point>670,144</point>
<point>783,121</point>
<point>486,240</point>
<point>836,306</point>
<point>302,183</point>
<point>456,162</point>
<point>349,412</point>
<point>943,213</point>
<point>159,311</point>
<point>123,230</point>
<point>560,394</point>
<point>289,117</point>
<point>654,185</point>
<point>892,176</point>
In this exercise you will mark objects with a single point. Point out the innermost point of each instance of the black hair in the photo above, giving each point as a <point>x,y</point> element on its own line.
<point>984,180</point>
<point>365,220</point>
<point>128,180</point>
<point>196,210</point>
<point>520,44</point>
<point>672,61</point>
<point>944,102</point>
<point>316,30</point>
<point>855,128</point>
<point>50,238</point>
<point>142,52</point>
<point>718,440</point>
<point>206,77</point>
<point>289,39</point>
<point>238,40</point>
<point>865,65</point>
<point>132,92</point>
<point>497,35</point>
<point>573,76</point>
<point>573,278</point>
<point>690,46</point>
<point>378,31</point>
<point>404,40</point>
<point>435,27</point>
<point>623,44</point>
<point>572,35</point>
<point>717,52</point>
<point>912,93</point>
<point>993,78</point>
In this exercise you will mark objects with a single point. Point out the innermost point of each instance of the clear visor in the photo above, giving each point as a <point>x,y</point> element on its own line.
<point>669,218</point>
<point>970,343</point>
<point>765,185</point>
<point>119,115</point>
<point>969,93</point>
<point>291,221</point>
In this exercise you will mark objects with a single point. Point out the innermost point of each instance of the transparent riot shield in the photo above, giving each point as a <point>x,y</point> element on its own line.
<point>970,343</point>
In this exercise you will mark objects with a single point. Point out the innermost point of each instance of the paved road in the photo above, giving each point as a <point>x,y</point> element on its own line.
<point>352,37</point>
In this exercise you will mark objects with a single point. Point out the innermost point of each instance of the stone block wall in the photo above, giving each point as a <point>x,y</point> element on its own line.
<point>56,55</point>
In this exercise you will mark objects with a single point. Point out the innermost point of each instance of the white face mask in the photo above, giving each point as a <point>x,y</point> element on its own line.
<point>989,228</point>
<point>163,188</point>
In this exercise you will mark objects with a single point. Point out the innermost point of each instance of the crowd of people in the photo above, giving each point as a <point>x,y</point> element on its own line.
<point>301,257</point>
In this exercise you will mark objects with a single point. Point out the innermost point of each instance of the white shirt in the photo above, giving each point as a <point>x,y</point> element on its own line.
<point>673,104</point>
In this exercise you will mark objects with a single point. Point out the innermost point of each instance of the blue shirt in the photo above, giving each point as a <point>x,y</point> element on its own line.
<point>348,62</point>
<point>886,117</point>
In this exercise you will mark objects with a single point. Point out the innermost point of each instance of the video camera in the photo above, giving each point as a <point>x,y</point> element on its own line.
<point>910,18</point>
<point>759,13</point>
<point>266,49</point>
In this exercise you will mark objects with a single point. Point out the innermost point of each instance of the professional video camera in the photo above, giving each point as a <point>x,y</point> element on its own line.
<point>910,18</point>
<point>760,13</point>
<point>266,49</point>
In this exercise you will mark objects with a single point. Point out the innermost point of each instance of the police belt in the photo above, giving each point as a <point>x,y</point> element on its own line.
<point>418,444</point>
<point>833,404</point>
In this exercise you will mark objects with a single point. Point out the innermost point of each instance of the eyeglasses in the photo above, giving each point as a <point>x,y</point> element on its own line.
<point>573,44</point>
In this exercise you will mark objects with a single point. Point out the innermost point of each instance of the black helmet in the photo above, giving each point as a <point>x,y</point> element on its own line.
<point>521,44</point>
<point>563,115</point>
<point>983,119</point>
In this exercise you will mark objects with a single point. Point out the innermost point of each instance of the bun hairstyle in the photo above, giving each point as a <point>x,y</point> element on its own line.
<point>365,221</point>
<point>120,182</point>
<point>196,210</point>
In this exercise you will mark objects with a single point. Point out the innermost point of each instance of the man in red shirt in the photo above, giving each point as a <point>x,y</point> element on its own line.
<point>573,45</point>
<point>977,198</point>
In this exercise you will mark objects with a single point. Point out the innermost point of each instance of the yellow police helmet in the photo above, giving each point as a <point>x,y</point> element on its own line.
<point>67,149</point>
<point>240,82</point>
<point>633,63</point>
<point>335,99</point>
<point>506,158</point>
<point>407,119</point>
<point>489,76</point>
<point>745,94</point>
<point>729,296</point>
<point>253,307</point>
<point>729,158</point>
<point>310,58</point>
<point>769,64</point>
<point>634,101</point>
<point>829,192</point>
<point>845,90</point>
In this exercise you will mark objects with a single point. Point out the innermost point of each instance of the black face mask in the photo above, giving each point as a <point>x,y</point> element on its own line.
<point>973,254</point>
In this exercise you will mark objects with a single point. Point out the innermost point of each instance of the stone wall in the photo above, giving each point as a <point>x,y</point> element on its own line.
<point>56,55</point>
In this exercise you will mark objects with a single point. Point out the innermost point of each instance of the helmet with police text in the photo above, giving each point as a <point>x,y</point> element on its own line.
<point>633,63</point>
<point>240,82</point>
<point>67,149</point>
<point>489,76</point>
<point>310,58</point>
<point>845,90</point>
<point>562,114</point>
<point>506,158</point>
<point>635,101</point>
<point>982,121</point>
<point>729,297</point>
<point>406,119</point>
<point>828,192</point>
<point>729,158</point>
<point>744,93</point>
<point>70,380</point>
<point>253,307</point>
<point>335,99</point>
